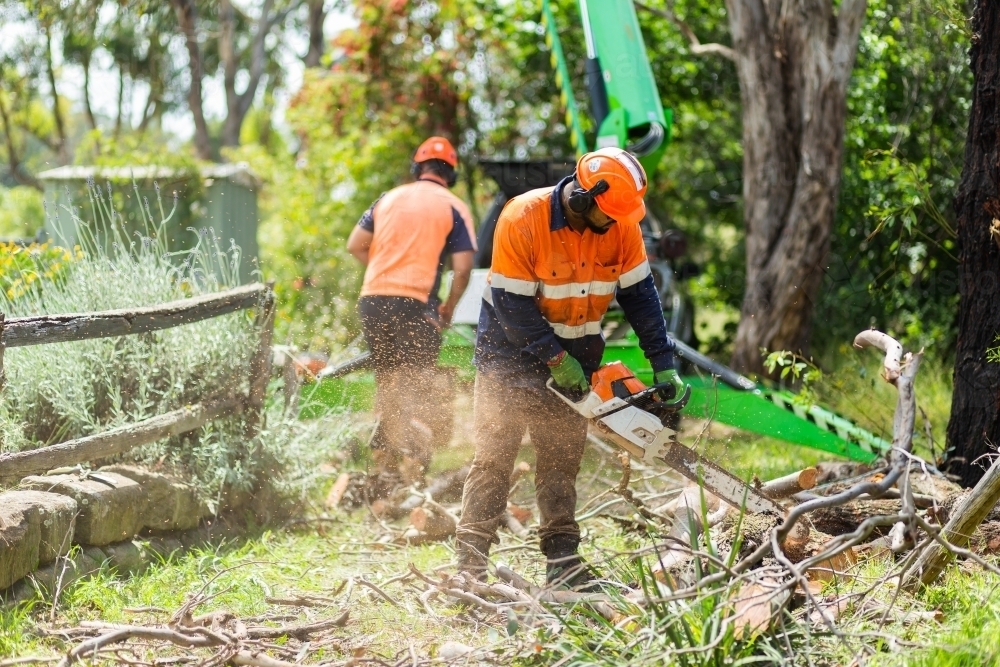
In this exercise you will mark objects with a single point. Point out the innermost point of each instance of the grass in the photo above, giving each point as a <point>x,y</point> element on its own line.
<point>315,557</point>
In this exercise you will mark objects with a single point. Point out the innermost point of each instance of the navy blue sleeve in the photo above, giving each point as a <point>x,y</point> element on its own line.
<point>367,221</point>
<point>458,238</point>
<point>524,325</point>
<point>643,311</point>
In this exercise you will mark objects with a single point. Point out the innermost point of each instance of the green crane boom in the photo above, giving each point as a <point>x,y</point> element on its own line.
<point>625,103</point>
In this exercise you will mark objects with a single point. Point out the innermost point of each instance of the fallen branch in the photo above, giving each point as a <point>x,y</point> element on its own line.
<point>893,351</point>
<point>299,631</point>
<point>964,520</point>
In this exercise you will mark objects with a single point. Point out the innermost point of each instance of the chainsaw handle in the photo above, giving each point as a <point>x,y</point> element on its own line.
<point>572,395</point>
<point>666,392</point>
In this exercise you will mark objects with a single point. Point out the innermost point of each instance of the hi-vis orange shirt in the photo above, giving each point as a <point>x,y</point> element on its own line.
<point>414,227</point>
<point>549,287</point>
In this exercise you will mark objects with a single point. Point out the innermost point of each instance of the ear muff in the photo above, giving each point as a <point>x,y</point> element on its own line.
<point>581,200</point>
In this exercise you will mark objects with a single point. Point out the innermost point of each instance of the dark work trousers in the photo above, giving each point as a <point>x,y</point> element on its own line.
<point>502,413</point>
<point>405,343</point>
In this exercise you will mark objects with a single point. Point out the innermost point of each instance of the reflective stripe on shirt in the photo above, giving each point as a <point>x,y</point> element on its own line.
<point>513,285</point>
<point>594,287</point>
<point>576,331</point>
<point>634,276</point>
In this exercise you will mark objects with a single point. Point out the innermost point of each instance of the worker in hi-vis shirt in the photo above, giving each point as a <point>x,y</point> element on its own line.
<point>403,240</point>
<point>560,256</point>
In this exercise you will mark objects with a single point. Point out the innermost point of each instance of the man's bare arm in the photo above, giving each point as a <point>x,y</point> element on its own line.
<point>359,243</point>
<point>461,262</point>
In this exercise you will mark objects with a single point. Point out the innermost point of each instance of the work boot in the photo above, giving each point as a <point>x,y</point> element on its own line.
<point>564,568</point>
<point>472,560</point>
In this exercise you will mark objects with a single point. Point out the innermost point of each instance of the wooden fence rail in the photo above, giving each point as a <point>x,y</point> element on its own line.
<point>16,465</point>
<point>44,329</point>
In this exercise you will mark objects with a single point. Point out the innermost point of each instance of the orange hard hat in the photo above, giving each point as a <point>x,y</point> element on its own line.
<point>437,148</point>
<point>626,181</point>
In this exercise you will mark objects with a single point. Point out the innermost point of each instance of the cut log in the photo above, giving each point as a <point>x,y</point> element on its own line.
<point>789,485</point>
<point>338,490</point>
<point>433,524</point>
<point>522,514</point>
<point>836,567</point>
<point>513,525</point>
<point>433,521</point>
<point>691,496</point>
<point>965,518</point>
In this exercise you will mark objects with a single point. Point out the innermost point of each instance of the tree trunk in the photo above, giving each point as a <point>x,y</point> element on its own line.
<point>13,159</point>
<point>974,427</point>
<point>86,92</point>
<point>227,56</point>
<point>239,104</point>
<point>317,15</point>
<point>794,61</point>
<point>121,100</point>
<point>62,146</point>
<point>187,19</point>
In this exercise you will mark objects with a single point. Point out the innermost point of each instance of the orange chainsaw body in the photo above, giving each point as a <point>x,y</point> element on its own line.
<point>610,377</point>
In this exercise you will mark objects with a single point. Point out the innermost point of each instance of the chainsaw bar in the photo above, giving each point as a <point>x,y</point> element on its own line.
<point>718,480</point>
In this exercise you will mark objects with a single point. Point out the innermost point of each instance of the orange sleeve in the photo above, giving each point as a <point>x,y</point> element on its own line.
<point>513,268</point>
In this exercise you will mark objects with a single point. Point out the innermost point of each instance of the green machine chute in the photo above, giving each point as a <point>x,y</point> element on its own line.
<point>625,103</point>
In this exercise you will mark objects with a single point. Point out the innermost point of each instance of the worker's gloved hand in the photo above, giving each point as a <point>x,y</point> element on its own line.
<point>568,373</point>
<point>670,375</point>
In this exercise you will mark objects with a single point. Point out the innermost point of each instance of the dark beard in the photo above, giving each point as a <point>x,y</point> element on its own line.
<point>600,231</point>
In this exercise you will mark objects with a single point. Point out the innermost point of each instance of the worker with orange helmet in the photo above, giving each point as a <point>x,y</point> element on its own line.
<point>560,256</point>
<point>403,240</point>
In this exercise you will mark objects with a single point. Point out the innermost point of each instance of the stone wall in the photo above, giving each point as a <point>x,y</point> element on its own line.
<point>100,511</point>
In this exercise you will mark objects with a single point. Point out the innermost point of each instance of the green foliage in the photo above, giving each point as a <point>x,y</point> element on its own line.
<point>21,212</point>
<point>694,631</point>
<point>893,254</point>
<point>797,370</point>
<point>21,267</point>
<point>993,353</point>
<point>58,392</point>
<point>403,74</point>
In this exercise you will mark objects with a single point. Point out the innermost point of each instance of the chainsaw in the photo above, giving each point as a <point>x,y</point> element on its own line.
<point>634,417</point>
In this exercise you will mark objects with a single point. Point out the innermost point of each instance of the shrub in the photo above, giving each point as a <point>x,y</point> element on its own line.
<point>67,390</point>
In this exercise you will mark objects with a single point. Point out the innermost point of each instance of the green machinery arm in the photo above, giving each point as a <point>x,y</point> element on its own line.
<point>625,103</point>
